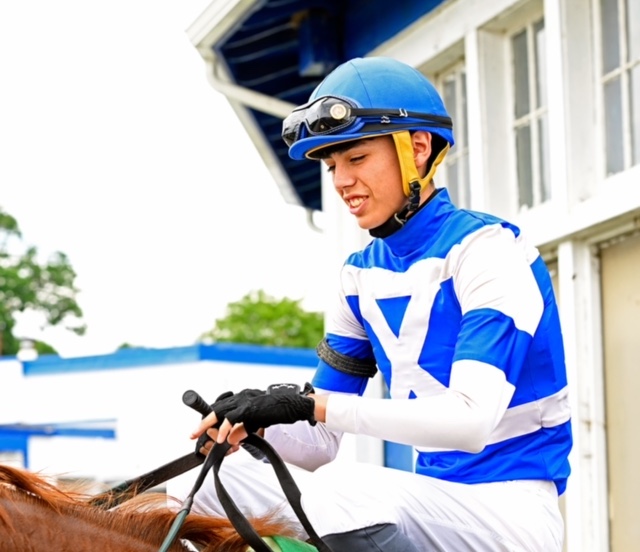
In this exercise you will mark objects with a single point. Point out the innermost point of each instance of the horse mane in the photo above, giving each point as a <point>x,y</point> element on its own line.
<point>25,496</point>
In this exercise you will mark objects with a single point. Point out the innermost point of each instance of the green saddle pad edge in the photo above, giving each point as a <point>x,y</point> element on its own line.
<point>286,544</point>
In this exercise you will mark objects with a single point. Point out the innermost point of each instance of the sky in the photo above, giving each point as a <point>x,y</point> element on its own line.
<point>115,150</point>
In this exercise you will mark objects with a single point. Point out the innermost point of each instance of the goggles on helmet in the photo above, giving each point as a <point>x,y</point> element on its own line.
<point>331,114</point>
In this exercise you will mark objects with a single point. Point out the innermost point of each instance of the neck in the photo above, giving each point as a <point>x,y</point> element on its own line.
<point>398,220</point>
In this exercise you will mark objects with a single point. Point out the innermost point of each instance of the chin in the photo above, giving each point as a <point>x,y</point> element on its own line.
<point>364,224</point>
<point>367,224</point>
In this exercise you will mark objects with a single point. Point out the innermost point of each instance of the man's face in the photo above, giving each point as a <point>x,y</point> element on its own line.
<point>367,177</point>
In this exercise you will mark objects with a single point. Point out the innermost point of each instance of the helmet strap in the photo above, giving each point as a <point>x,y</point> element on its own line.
<point>414,202</point>
<point>408,169</point>
<point>412,183</point>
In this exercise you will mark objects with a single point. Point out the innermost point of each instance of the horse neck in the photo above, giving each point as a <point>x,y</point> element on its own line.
<point>37,516</point>
<point>26,524</point>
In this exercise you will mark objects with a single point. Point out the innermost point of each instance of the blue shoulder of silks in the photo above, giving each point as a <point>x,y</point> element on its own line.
<point>453,230</point>
<point>491,219</point>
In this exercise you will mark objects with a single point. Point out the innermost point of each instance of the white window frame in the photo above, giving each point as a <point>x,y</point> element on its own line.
<point>535,114</point>
<point>459,154</point>
<point>623,72</point>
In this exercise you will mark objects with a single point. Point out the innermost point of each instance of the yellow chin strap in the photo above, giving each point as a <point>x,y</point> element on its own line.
<point>408,169</point>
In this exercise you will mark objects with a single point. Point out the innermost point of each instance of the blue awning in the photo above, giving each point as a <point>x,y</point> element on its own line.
<point>284,48</point>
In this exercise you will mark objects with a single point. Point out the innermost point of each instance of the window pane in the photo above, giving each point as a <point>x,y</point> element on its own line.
<point>449,98</point>
<point>521,74</point>
<point>543,146</point>
<point>464,140</point>
<point>613,126</point>
<point>523,155</point>
<point>466,182</point>
<point>610,35</point>
<point>541,63</point>
<point>452,182</point>
<point>634,94</point>
<point>633,29</point>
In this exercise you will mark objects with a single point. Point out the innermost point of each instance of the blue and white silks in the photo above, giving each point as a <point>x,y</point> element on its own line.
<point>458,311</point>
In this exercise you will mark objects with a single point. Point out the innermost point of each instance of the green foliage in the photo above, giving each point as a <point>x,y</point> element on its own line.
<point>28,284</point>
<point>43,348</point>
<point>126,345</point>
<point>263,320</point>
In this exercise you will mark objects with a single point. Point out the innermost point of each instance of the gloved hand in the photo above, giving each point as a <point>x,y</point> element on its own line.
<point>224,403</point>
<point>230,401</point>
<point>262,411</point>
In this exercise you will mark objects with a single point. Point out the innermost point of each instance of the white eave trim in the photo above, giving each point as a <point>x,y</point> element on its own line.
<point>245,96</point>
<point>216,21</point>
<point>211,26</point>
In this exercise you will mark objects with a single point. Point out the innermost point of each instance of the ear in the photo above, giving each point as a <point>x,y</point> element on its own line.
<point>421,142</point>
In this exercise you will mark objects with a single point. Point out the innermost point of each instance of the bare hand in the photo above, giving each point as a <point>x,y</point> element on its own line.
<point>234,434</point>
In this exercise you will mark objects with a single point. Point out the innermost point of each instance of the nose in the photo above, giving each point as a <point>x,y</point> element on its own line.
<point>342,177</point>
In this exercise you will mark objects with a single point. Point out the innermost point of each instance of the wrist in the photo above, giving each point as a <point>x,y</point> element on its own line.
<point>320,407</point>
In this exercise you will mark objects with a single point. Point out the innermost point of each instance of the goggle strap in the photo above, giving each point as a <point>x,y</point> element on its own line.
<point>436,120</point>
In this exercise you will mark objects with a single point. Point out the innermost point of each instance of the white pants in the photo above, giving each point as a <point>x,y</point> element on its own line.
<point>439,515</point>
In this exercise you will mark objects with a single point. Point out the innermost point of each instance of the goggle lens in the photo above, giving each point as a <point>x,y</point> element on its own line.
<point>330,114</point>
<point>322,116</point>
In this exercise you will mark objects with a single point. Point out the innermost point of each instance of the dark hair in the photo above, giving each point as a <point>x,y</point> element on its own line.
<point>325,153</point>
<point>438,143</point>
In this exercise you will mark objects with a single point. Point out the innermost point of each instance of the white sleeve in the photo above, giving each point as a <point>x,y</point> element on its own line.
<point>304,445</point>
<point>461,418</point>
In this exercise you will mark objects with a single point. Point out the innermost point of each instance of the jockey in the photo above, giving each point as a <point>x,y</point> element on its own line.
<point>457,312</point>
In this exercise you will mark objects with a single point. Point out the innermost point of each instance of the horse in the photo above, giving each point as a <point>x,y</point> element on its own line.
<point>38,515</point>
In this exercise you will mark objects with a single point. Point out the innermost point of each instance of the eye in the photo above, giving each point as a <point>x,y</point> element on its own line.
<point>357,158</point>
<point>331,168</point>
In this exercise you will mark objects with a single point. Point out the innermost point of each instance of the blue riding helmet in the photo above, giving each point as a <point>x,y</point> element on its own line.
<point>366,97</point>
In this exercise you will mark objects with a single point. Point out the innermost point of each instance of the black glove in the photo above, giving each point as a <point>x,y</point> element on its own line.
<point>224,403</point>
<point>283,404</point>
<point>229,401</point>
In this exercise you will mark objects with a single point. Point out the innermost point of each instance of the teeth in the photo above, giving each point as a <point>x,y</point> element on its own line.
<point>356,201</point>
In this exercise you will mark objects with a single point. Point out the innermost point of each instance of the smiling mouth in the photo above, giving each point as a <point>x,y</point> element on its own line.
<point>355,202</point>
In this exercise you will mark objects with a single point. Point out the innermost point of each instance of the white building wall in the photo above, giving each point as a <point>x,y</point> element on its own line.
<point>144,403</point>
<point>12,395</point>
<point>586,208</point>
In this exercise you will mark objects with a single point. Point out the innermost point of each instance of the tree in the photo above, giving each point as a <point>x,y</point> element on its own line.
<point>28,284</point>
<point>263,320</point>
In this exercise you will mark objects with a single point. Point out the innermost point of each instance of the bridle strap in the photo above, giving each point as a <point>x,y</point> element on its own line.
<point>289,487</point>
<point>235,516</point>
<point>127,489</point>
<point>239,521</point>
<point>214,458</point>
